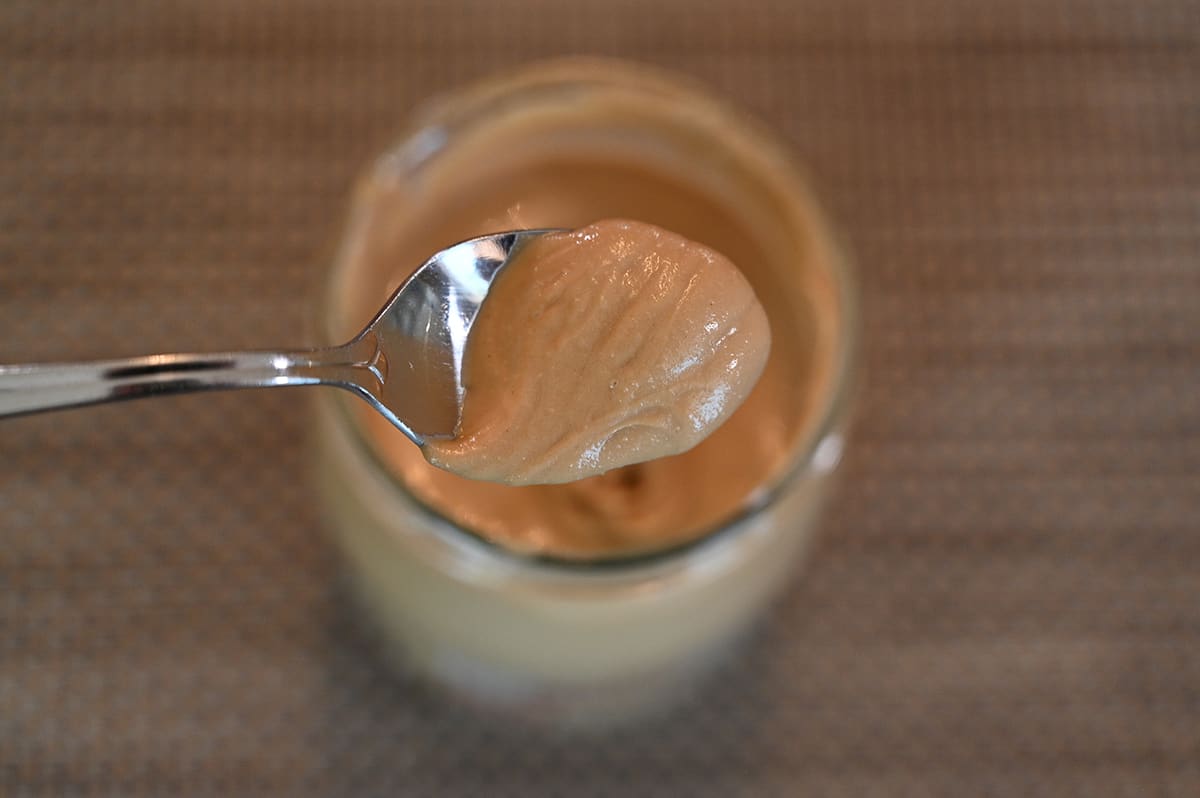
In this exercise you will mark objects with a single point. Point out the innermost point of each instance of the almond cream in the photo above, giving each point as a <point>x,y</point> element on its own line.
<point>610,345</point>
<point>651,505</point>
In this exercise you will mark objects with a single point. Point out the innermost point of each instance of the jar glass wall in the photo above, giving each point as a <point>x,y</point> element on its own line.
<point>587,638</point>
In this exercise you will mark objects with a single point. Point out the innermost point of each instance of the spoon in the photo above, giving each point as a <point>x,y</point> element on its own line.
<point>407,363</point>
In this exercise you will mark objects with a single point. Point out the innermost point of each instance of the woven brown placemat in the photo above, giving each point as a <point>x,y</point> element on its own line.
<point>1006,596</point>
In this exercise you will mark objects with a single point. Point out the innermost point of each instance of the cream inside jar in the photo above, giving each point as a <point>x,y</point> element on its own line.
<point>565,168</point>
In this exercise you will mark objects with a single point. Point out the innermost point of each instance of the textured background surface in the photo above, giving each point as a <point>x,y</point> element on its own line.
<point>1006,598</point>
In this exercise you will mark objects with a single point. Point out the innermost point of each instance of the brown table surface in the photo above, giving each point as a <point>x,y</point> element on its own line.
<point>1005,599</point>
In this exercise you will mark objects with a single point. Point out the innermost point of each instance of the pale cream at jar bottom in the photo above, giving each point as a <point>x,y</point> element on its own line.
<point>519,174</point>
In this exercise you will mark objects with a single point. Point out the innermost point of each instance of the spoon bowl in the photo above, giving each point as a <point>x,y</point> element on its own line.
<point>420,335</point>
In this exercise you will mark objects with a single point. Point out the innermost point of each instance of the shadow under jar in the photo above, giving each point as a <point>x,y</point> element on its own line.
<point>600,599</point>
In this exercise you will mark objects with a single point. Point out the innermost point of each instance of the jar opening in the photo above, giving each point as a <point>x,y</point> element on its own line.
<point>690,128</point>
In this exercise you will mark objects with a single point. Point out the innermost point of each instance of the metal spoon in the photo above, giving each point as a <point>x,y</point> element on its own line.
<point>407,363</point>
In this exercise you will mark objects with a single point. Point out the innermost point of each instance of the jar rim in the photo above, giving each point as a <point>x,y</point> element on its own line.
<point>818,451</point>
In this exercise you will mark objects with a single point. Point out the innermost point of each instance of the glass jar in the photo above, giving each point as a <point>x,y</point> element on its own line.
<point>570,640</point>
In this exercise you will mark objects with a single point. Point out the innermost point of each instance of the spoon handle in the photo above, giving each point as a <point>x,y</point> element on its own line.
<point>37,387</point>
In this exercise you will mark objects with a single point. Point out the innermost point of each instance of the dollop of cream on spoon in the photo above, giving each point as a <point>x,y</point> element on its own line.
<point>613,344</point>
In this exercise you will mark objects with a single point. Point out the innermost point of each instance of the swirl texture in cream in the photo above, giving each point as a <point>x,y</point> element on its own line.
<point>613,344</point>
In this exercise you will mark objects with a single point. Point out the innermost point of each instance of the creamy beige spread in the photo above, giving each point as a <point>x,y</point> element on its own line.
<point>516,174</point>
<point>602,347</point>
